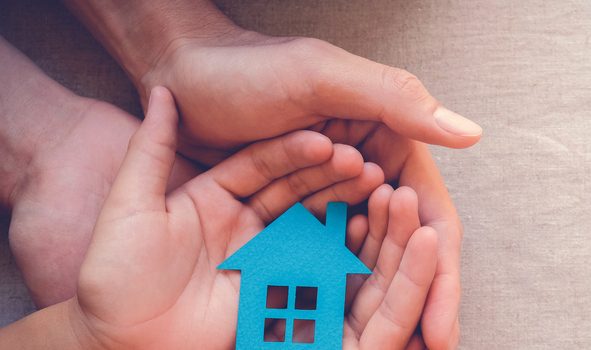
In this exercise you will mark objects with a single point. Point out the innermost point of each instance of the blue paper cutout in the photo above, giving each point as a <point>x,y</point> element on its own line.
<point>294,252</point>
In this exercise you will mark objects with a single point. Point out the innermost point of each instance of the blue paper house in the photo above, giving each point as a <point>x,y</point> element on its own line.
<point>302,265</point>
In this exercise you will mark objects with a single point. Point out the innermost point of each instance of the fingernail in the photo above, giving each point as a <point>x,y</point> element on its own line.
<point>455,123</point>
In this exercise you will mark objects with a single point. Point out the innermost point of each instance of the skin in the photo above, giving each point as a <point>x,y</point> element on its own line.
<point>60,155</point>
<point>150,281</point>
<point>235,86</point>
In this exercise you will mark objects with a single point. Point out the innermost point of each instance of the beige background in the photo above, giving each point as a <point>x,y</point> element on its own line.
<point>522,69</point>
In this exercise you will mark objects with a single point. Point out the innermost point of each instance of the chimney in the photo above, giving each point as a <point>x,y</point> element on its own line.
<point>336,220</point>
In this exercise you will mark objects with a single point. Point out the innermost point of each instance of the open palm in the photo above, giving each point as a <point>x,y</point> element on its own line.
<point>150,279</point>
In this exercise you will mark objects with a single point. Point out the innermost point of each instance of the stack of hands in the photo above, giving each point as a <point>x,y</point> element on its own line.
<point>118,236</point>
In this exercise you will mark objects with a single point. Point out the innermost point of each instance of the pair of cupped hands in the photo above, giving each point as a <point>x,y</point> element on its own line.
<point>149,278</point>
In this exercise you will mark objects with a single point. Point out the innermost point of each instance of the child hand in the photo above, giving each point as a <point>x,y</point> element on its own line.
<point>385,308</point>
<point>149,280</point>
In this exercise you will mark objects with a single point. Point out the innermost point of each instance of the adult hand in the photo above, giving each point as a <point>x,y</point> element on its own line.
<point>252,87</point>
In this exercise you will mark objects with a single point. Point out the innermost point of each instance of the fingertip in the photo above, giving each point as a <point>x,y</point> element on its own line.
<point>406,192</point>
<point>315,146</point>
<point>404,200</point>
<point>161,121</point>
<point>384,190</point>
<point>380,197</point>
<point>143,175</point>
<point>158,92</point>
<point>373,173</point>
<point>424,242</point>
<point>160,100</point>
<point>358,223</point>
<point>347,159</point>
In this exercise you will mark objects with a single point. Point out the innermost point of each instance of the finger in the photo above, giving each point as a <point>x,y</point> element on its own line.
<point>437,210</point>
<point>353,87</point>
<point>402,220</point>
<point>255,167</point>
<point>394,322</point>
<point>141,182</point>
<point>357,230</point>
<point>346,163</point>
<point>379,149</point>
<point>352,191</point>
<point>134,259</point>
<point>378,223</point>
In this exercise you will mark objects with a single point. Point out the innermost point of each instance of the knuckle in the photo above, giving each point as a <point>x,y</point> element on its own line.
<point>403,81</point>
<point>261,208</point>
<point>298,185</point>
<point>379,280</point>
<point>311,47</point>
<point>262,167</point>
<point>416,284</point>
<point>320,68</point>
<point>314,59</point>
<point>389,313</point>
<point>356,324</point>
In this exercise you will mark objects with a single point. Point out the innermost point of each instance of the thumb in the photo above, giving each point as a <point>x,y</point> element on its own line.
<point>141,182</point>
<point>348,86</point>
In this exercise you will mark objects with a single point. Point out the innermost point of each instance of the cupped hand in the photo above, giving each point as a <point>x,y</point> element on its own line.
<point>409,163</point>
<point>149,279</point>
<point>248,86</point>
<point>384,309</point>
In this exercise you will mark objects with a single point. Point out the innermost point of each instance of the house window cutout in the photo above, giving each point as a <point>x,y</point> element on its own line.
<point>306,298</point>
<point>277,297</point>
<point>303,331</point>
<point>274,330</point>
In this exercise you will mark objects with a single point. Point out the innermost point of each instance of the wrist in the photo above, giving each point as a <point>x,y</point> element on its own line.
<point>138,33</point>
<point>188,48</point>
<point>33,123</point>
<point>58,326</point>
<point>27,101</point>
<point>77,323</point>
